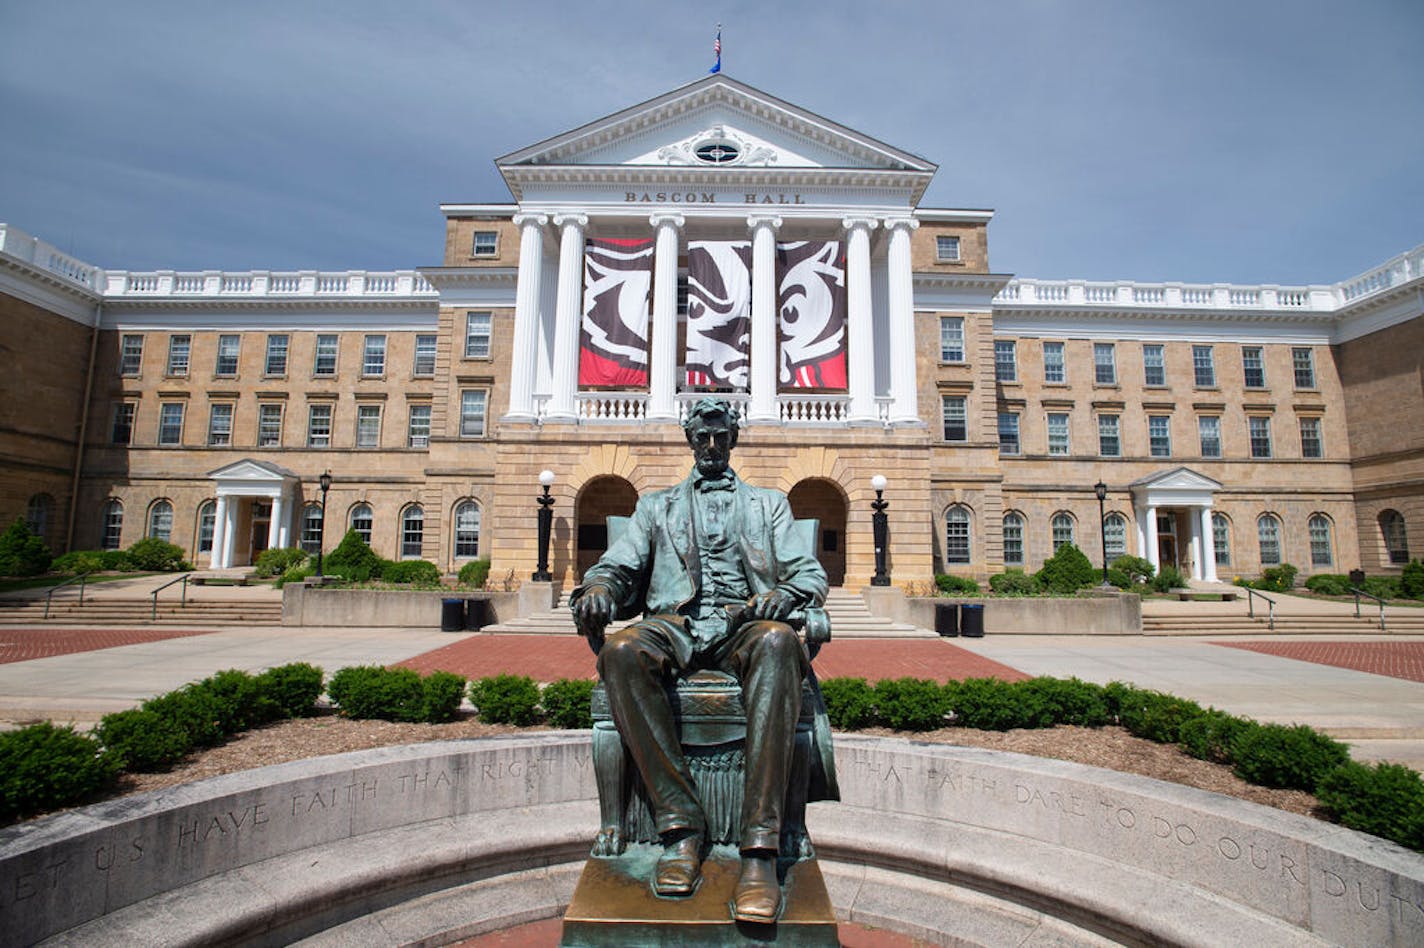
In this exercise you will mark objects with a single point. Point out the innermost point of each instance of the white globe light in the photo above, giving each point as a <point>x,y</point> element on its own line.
<point>546,478</point>
<point>878,482</point>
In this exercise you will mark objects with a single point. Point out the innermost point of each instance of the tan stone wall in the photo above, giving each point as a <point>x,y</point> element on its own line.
<point>460,235</point>
<point>973,248</point>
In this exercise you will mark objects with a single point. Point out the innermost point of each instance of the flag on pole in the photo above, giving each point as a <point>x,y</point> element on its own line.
<point>717,51</point>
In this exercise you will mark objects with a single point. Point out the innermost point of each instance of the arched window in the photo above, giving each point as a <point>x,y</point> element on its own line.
<point>1115,535</point>
<point>361,521</point>
<point>1013,539</point>
<point>160,521</point>
<point>1268,532</point>
<point>412,532</point>
<point>1221,539</point>
<point>956,534</point>
<point>1062,529</point>
<point>311,528</point>
<point>112,525</point>
<point>1396,540</point>
<point>207,523</point>
<point>38,513</point>
<point>1321,553</point>
<point>467,530</point>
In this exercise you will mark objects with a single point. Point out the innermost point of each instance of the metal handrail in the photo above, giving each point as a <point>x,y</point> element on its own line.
<point>1360,592</point>
<point>154,595</point>
<point>82,579</point>
<point>1251,595</point>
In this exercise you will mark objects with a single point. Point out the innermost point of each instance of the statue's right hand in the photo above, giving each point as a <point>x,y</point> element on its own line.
<point>592,612</point>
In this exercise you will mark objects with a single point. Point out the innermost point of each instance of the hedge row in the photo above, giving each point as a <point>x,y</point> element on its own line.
<point>399,694</point>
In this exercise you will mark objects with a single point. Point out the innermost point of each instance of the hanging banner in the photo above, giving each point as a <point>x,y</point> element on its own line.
<point>811,302</point>
<point>617,275</point>
<point>719,324</point>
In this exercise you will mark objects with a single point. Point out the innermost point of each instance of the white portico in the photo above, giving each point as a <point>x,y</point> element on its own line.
<point>254,510</point>
<point>1156,500</point>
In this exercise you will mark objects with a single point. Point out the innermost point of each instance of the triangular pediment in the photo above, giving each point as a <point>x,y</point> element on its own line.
<point>250,471</point>
<point>1177,479</point>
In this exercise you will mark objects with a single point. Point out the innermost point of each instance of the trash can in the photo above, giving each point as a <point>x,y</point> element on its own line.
<point>477,614</point>
<point>971,620</point>
<point>452,615</point>
<point>1357,578</point>
<point>947,619</point>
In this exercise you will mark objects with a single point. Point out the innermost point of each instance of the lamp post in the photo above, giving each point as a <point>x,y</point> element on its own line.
<point>325,482</point>
<point>546,527</point>
<point>1101,490</point>
<point>881,530</point>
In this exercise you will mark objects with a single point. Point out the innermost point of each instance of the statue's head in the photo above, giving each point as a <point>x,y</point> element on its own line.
<point>711,429</point>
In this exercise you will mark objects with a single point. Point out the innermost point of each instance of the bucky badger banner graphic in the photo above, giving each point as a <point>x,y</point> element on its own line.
<point>812,306</point>
<point>719,325</point>
<point>617,275</point>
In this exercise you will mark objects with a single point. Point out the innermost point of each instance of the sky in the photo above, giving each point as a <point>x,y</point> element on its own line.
<point>1247,141</point>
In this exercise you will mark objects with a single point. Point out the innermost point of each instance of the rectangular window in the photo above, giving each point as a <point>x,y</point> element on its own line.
<point>1058,433</point>
<point>1053,368</point>
<point>1253,365</point>
<point>1303,362</point>
<point>1209,428</point>
<point>319,426</point>
<point>228,347</point>
<point>1013,540</point>
<point>179,348</point>
<point>269,425</point>
<point>424,355</point>
<point>1159,435</point>
<point>951,339</point>
<point>419,428</point>
<point>682,293</point>
<point>472,414</point>
<point>477,335</point>
<point>947,248</point>
<point>485,244</point>
<point>170,423</point>
<point>122,432</point>
<point>1109,443</point>
<point>325,363</point>
<point>1008,432</point>
<point>373,356</point>
<point>1220,540</point>
<point>1006,363</point>
<point>1203,367</point>
<point>131,355</point>
<point>1154,367</point>
<point>956,422</point>
<point>276,354</point>
<point>220,425</point>
<point>1104,363</point>
<point>1260,428</point>
<point>368,426</point>
<point>1310,444</point>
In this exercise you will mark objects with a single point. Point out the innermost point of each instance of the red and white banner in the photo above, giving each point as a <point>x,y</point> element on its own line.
<point>613,339</point>
<point>811,301</point>
<point>719,325</point>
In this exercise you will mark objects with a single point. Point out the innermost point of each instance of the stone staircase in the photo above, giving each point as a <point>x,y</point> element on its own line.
<point>1398,621</point>
<point>850,619</point>
<point>110,611</point>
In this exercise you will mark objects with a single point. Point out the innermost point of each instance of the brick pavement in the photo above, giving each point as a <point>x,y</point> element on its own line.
<point>21,645</point>
<point>1393,659</point>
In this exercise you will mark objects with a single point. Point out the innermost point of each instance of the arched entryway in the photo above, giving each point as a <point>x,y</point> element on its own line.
<point>600,498</point>
<point>823,500</point>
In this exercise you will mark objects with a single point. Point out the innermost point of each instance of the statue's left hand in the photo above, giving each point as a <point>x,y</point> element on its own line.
<point>772,604</point>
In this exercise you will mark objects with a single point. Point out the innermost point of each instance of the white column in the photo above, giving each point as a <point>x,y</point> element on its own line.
<point>568,315</point>
<point>1151,553</point>
<point>526,316</point>
<point>662,377</point>
<point>904,386</point>
<point>763,405</point>
<point>1198,547</point>
<point>860,337</point>
<point>1208,547</point>
<point>274,528</point>
<point>218,558</point>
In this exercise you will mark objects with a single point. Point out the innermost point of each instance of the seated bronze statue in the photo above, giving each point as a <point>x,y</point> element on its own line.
<point>722,581</point>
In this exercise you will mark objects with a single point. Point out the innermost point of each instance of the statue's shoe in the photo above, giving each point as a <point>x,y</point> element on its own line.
<point>679,868</point>
<point>758,894</point>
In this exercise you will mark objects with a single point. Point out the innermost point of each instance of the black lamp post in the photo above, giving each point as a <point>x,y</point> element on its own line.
<point>1101,490</point>
<point>325,482</point>
<point>546,527</point>
<point>881,530</point>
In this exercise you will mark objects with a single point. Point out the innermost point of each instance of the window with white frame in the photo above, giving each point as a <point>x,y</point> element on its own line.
<point>319,425</point>
<point>1260,430</point>
<point>1159,435</point>
<point>361,520</point>
<point>122,431</point>
<point>477,335</point>
<point>485,243</point>
<point>947,248</point>
<point>311,528</point>
<point>1109,437</point>
<point>1006,363</point>
<point>1054,369</point>
<point>1062,527</point>
<point>412,532</point>
<point>1310,443</point>
<point>276,363</point>
<point>956,535</point>
<point>1154,366</point>
<point>229,347</point>
<point>1203,367</point>
<point>1008,432</point>
<point>1321,549</point>
<point>269,425</point>
<point>373,356</point>
<point>368,426</point>
<point>1221,539</point>
<point>324,360</point>
<point>1268,534</point>
<point>160,521</point>
<point>180,348</point>
<point>1058,433</point>
<point>472,413</point>
<point>131,355</point>
<point>467,530</point>
<point>951,339</point>
<point>170,423</point>
<point>220,424</point>
<point>1303,364</point>
<point>1396,537</point>
<point>112,525</point>
<point>1209,432</point>
<point>1013,539</point>
<point>1253,366</point>
<point>1115,535</point>
<point>424,364</point>
<point>37,514</point>
<point>956,418</point>
<point>418,431</point>
<point>1104,363</point>
<point>207,525</point>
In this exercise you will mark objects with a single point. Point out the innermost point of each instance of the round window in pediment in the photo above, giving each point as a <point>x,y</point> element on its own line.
<point>717,152</point>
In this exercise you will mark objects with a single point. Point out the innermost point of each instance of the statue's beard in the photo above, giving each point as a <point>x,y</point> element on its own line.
<point>712,467</point>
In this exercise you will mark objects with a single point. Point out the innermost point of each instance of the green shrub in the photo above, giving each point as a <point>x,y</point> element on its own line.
<point>1212,734</point>
<point>1169,578</point>
<point>352,559</point>
<point>1050,701</point>
<point>1277,578</point>
<point>78,561</point>
<point>242,703</point>
<point>21,552</point>
<point>1067,571</point>
<point>159,556</point>
<point>276,561</point>
<point>443,692</point>
<point>475,573</point>
<point>506,699</point>
<point>292,689</point>
<point>911,704</point>
<point>956,584</point>
<point>1329,584</point>
<point>118,561</point>
<point>43,767</point>
<point>194,709</point>
<point>568,702</point>
<point>1125,572</point>
<point>850,703</point>
<point>296,574</point>
<point>1013,582</point>
<point>1150,714</point>
<point>370,691</point>
<point>987,704</point>
<point>1293,757</point>
<point>143,740</point>
<point>1385,587</point>
<point>414,572</point>
<point>1411,580</point>
<point>1386,800</point>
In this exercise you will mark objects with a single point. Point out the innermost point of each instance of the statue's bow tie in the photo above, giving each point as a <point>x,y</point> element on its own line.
<point>714,483</point>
